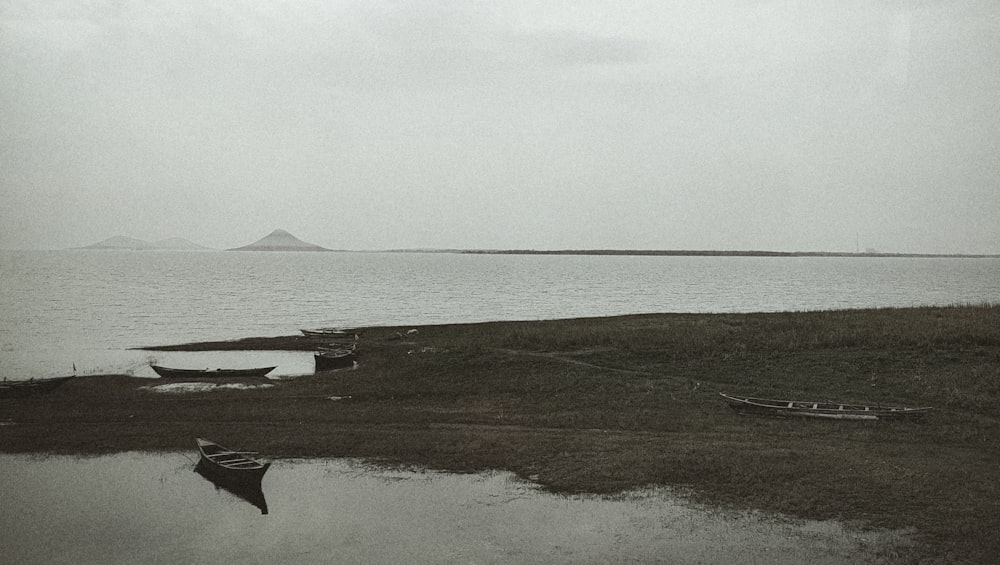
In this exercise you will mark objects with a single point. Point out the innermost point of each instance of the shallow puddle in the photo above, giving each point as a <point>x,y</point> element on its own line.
<point>153,508</point>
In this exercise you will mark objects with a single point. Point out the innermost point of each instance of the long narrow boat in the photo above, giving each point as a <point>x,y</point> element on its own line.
<point>831,410</point>
<point>230,465</point>
<point>30,387</point>
<point>330,332</point>
<point>169,373</point>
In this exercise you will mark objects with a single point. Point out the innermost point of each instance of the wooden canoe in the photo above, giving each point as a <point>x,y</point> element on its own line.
<point>230,465</point>
<point>330,332</point>
<point>829,410</point>
<point>336,348</point>
<point>169,373</point>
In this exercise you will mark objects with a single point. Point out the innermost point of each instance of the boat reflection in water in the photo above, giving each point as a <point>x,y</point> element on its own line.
<point>233,471</point>
<point>353,512</point>
<point>247,490</point>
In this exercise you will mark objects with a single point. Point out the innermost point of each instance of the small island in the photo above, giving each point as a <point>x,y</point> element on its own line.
<point>280,240</point>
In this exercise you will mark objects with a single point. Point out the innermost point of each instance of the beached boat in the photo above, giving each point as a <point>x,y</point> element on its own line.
<point>831,410</point>
<point>169,373</point>
<point>229,465</point>
<point>336,347</point>
<point>30,387</point>
<point>330,332</point>
<point>330,360</point>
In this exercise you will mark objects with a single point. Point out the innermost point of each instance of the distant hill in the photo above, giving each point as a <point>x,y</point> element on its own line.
<point>178,243</point>
<point>280,240</point>
<point>132,244</point>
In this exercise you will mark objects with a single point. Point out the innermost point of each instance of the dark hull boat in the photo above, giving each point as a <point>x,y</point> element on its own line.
<point>30,387</point>
<point>250,492</point>
<point>829,410</point>
<point>334,359</point>
<point>228,465</point>
<point>169,373</point>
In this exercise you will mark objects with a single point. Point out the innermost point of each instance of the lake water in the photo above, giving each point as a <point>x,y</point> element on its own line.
<point>152,508</point>
<point>64,308</point>
<point>61,309</point>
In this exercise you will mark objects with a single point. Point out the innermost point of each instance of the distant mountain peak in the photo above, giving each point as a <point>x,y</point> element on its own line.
<point>121,242</point>
<point>280,240</point>
<point>178,243</point>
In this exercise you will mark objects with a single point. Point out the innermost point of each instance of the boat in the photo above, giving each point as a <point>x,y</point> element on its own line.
<point>830,410</point>
<point>228,465</point>
<point>331,332</point>
<point>169,373</point>
<point>330,360</point>
<point>30,387</point>
<point>335,347</point>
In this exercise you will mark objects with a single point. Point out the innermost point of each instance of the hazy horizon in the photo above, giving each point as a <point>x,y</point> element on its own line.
<point>118,239</point>
<point>719,125</point>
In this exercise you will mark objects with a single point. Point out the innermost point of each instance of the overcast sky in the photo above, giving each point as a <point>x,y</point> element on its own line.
<point>702,124</point>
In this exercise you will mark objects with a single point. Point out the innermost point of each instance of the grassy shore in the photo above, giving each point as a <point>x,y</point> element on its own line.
<point>607,404</point>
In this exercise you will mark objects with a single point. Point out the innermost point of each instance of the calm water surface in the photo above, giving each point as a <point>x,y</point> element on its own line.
<point>89,309</point>
<point>84,308</point>
<point>152,508</point>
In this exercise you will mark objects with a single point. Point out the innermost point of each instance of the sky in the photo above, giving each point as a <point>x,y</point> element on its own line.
<point>832,125</point>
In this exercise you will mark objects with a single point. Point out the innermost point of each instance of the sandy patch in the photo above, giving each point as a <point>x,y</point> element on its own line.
<point>180,388</point>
